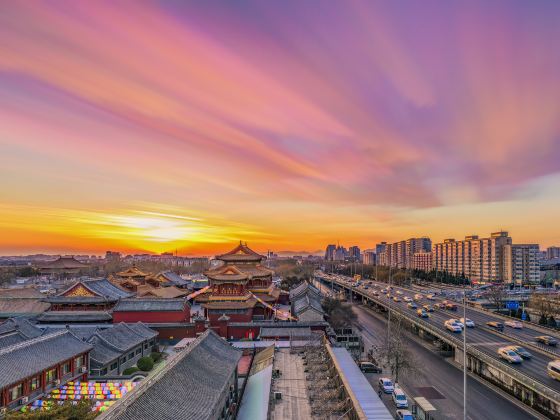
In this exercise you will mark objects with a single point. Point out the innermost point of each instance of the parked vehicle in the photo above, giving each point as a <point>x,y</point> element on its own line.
<point>399,398</point>
<point>553,369</point>
<point>509,355</point>
<point>514,324</point>
<point>412,305</point>
<point>546,339</point>
<point>496,325</point>
<point>428,308</point>
<point>468,322</point>
<point>369,367</point>
<point>386,385</point>
<point>404,415</point>
<point>521,351</point>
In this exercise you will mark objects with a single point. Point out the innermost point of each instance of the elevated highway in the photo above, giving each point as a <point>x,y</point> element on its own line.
<point>528,381</point>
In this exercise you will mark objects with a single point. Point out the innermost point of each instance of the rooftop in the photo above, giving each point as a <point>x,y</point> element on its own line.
<point>188,387</point>
<point>241,253</point>
<point>150,304</point>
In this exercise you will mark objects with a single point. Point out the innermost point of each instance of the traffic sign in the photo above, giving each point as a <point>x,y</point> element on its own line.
<point>512,304</point>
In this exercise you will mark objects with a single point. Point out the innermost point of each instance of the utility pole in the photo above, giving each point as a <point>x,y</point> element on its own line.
<point>464,352</point>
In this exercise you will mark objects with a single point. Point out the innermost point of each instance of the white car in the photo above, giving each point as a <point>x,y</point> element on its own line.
<point>404,415</point>
<point>514,324</point>
<point>453,327</point>
<point>468,322</point>
<point>399,292</point>
<point>386,385</point>
<point>399,398</point>
<point>509,355</point>
<point>407,299</point>
<point>456,322</point>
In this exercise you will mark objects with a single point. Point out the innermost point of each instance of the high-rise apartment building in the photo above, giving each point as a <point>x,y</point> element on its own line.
<point>329,253</point>
<point>354,253</point>
<point>340,253</point>
<point>400,254</point>
<point>422,261</point>
<point>552,252</point>
<point>521,264</point>
<point>369,257</point>
<point>379,248</point>
<point>478,259</point>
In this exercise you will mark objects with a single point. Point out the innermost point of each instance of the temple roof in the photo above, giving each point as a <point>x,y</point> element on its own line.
<point>190,386</point>
<point>21,325</point>
<point>132,272</point>
<point>162,292</point>
<point>13,306</point>
<point>21,360</point>
<point>231,304</point>
<point>95,288</point>
<point>173,278</point>
<point>241,253</point>
<point>303,288</point>
<point>226,273</point>
<point>63,263</point>
<point>74,316</point>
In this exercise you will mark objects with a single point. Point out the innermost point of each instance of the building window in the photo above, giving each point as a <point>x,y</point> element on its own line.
<point>152,342</point>
<point>16,392</point>
<point>103,372</point>
<point>131,355</point>
<point>66,368</point>
<point>51,375</point>
<point>123,360</point>
<point>139,350</point>
<point>79,362</point>
<point>145,346</point>
<point>35,383</point>
<point>114,366</point>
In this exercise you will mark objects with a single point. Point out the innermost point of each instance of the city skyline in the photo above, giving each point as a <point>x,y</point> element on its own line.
<point>191,126</point>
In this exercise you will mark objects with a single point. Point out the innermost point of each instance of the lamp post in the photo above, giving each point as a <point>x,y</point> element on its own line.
<point>464,352</point>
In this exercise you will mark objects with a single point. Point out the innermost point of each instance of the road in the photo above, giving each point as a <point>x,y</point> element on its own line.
<point>482,337</point>
<point>443,378</point>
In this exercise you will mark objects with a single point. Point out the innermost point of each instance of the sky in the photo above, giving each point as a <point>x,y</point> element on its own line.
<point>186,125</point>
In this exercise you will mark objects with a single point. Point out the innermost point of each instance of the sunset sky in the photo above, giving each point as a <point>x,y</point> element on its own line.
<point>189,125</point>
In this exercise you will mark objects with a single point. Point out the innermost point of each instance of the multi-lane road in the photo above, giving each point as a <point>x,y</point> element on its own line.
<point>482,337</point>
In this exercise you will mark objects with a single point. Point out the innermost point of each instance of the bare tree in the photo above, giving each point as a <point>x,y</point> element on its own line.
<point>395,352</point>
<point>496,295</point>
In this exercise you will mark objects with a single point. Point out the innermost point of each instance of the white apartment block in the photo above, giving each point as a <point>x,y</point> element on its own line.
<point>400,254</point>
<point>521,263</point>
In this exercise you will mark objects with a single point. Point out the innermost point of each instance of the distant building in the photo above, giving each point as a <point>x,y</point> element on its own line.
<point>329,253</point>
<point>521,264</point>
<point>62,265</point>
<point>112,256</point>
<point>553,252</point>
<point>369,257</point>
<point>340,254</point>
<point>422,261</point>
<point>354,253</point>
<point>400,254</point>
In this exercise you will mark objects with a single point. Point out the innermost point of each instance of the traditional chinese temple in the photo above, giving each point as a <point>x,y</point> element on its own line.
<point>62,265</point>
<point>240,287</point>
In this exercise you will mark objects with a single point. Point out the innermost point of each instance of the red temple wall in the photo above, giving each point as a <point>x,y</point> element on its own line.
<point>152,317</point>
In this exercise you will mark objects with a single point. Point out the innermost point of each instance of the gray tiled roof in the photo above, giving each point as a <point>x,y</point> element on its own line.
<point>21,325</point>
<point>283,332</point>
<point>303,287</point>
<point>308,300</point>
<point>102,287</point>
<point>123,336</point>
<point>188,387</point>
<point>22,360</point>
<point>11,338</point>
<point>79,299</point>
<point>103,352</point>
<point>175,278</point>
<point>74,316</point>
<point>147,305</point>
<point>83,332</point>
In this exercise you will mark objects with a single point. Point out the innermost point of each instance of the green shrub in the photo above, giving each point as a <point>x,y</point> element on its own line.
<point>145,363</point>
<point>130,370</point>
<point>155,356</point>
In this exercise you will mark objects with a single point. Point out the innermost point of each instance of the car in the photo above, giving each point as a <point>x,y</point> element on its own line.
<point>418,296</point>
<point>496,325</point>
<point>422,313</point>
<point>468,322</point>
<point>404,415</point>
<point>386,385</point>
<point>428,308</point>
<point>450,306</point>
<point>437,306</point>
<point>553,369</point>
<point>457,322</point>
<point>397,299</point>
<point>407,299</point>
<point>453,327</point>
<point>546,339</point>
<point>521,351</point>
<point>399,398</point>
<point>514,324</point>
<point>412,305</point>
<point>375,293</point>
<point>399,292</point>
<point>430,297</point>
<point>388,295</point>
<point>369,367</point>
<point>509,355</point>
<point>383,290</point>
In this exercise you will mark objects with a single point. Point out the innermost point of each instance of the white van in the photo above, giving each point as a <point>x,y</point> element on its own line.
<point>399,398</point>
<point>553,369</point>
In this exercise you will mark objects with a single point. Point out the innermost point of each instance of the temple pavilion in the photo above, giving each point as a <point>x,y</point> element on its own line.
<point>240,287</point>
